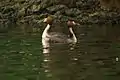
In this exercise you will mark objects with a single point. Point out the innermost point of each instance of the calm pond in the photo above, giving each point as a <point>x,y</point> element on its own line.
<point>94,57</point>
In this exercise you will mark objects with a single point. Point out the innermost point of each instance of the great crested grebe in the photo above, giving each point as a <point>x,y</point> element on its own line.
<point>48,36</point>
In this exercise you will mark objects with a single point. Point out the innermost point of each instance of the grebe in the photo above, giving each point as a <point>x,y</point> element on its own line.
<point>48,36</point>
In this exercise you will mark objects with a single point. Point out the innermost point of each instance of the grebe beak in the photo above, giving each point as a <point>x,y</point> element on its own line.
<point>45,20</point>
<point>75,23</point>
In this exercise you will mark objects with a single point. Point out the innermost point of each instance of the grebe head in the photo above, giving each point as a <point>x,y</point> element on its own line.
<point>48,20</point>
<point>72,23</point>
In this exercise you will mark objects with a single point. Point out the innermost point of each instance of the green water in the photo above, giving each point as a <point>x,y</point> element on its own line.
<point>21,56</point>
<point>95,56</point>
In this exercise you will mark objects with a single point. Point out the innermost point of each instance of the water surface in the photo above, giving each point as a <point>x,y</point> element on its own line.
<point>94,57</point>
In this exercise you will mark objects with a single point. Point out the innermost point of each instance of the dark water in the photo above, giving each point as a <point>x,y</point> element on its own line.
<point>94,57</point>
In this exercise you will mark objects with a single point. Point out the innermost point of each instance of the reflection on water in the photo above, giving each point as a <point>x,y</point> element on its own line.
<point>94,57</point>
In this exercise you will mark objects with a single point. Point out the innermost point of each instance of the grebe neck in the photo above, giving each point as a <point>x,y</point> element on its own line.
<point>72,35</point>
<point>45,38</point>
<point>45,32</point>
<point>47,28</point>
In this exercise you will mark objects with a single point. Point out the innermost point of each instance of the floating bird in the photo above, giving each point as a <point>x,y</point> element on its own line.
<point>48,36</point>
